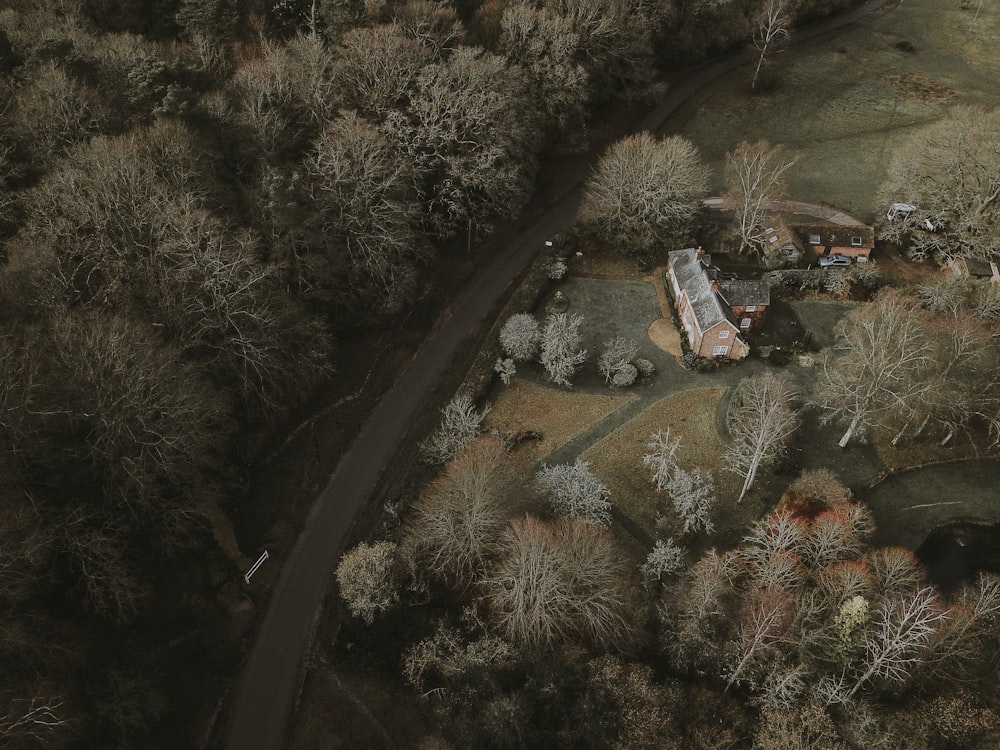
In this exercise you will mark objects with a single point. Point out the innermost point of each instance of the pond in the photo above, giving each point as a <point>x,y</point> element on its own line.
<point>955,553</point>
<point>949,513</point>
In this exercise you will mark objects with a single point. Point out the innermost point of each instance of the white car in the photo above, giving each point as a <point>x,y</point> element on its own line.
<point>826,261</point>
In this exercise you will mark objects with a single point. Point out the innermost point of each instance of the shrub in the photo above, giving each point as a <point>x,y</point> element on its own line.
<point>521,336</point>
<point>367,580</point>
<point>645,368</point>
<point>460,423</point>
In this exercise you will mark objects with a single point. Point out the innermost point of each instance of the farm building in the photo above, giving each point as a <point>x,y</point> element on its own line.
<point>714,312</point>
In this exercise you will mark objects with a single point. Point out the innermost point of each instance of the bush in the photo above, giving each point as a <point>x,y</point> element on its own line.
<point>520,336</point>
<point>645,368</point>
<point>367,580</point>
<point>625,376</point>
<point>460,423</point>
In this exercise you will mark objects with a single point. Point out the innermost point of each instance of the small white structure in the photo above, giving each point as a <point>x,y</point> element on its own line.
<point>900,209</point>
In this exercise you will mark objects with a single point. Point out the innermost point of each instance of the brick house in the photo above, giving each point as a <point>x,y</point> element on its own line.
<point>747,301</point>
<point>714,312</point>
<point>854,241</point>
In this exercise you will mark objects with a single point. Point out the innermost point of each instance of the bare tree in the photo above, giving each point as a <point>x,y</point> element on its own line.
<point>645,193</point>
<point>474,153</point>
<point>548,48</point>
<point>901,633</point>
<point>896,571</point>
<point>662,457</point>
<point>755,180</point>
<point>520,336</point>
<point>768,614</point>
<point>948,171</point>
<point>155,428</point>
<point>692,493</point>
<point>960,387</point>
<point>617,41</point>
<point>449,653</point>
<point>367,579</point>
<point>882,353</point>
<point>377,68</point>
<point>574,491</point>
<point>459,515</point>
<point>360,189</point>
<point>562,581</point>
<point>771,27</point>
<point>761,422</point>
<point>438,28</point>
<point>460,423</point>
<point>561,352</point>
<point>31,720</point>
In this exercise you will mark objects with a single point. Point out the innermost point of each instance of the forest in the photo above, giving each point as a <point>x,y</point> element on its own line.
<point>203,202</point>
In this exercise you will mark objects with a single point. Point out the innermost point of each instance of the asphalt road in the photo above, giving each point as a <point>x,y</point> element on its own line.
<point>265,692</point>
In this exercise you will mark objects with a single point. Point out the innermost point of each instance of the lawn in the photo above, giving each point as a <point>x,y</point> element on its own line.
<point>617,457</point>
<point>558,415</point>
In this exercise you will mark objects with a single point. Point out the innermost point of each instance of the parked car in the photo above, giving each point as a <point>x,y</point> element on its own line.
<point>825,261</point>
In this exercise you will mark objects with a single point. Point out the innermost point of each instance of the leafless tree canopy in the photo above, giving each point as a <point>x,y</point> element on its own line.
<point>645,193</point>
<point>755,179</point>
<point>561,581</point>
<point>880,355</point>
<point>949,172</point>
<point>761,422</point>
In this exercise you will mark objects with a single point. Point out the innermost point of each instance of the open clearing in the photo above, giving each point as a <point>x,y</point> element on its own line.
<point>558,415</point>
<point>845,100</point>
<point>617,457</point>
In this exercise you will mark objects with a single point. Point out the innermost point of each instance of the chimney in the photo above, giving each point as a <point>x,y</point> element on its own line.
<point>698,253</point>
<point>714,285</point>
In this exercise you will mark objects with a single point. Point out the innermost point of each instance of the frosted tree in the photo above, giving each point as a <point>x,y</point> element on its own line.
<point>506,369</point>
<point>574,491</point>
<point>761,421</point>
<point>693,496</point>
<point>520,337</point>
<point>662,457</point>
<point>561,352</point>
<point>460,423</point>
<point>615,362</point>
<point>692,493</point>
<point>366,579</point>
<point>665,559</point>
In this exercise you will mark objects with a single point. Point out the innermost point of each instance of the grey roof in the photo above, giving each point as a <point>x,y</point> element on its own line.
<point>977,267</point>
<point>743,292</point>
<point>691,277</point>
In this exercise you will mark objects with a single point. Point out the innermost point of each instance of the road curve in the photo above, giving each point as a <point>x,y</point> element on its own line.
<point>265,692</point>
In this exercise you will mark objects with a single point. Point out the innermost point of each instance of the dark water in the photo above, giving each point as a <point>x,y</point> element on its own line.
<point>957,552</point>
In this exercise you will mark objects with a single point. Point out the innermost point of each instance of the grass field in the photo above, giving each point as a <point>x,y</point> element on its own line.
<point>558,415</point>
<point>617,457</point>
<point>842,102</point>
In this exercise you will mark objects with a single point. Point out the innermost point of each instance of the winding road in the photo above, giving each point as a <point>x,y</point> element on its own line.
<point>265,692</point>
